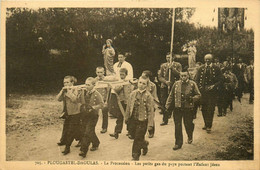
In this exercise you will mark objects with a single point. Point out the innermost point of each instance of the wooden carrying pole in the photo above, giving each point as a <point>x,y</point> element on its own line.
<point>171,48</point>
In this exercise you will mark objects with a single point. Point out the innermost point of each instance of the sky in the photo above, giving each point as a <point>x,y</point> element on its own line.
<point>207,17</point>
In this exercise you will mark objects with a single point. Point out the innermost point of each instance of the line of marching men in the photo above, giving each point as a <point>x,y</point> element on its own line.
<point>215,84</point>
<point>181,95</point>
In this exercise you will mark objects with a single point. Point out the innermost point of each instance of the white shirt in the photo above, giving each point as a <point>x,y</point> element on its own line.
<point>126,65</point>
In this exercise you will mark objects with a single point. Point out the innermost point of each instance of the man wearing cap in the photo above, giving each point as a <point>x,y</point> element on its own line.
<point>173,68</point>
<point>208,78</point>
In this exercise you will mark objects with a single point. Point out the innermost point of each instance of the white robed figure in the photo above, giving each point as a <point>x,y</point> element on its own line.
<point>190,47</point>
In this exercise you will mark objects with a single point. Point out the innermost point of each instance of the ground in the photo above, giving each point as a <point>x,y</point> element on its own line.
<point>33,130</point>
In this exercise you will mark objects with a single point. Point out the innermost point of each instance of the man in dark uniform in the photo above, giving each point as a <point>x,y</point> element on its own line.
<point>229,62</point>
<point>239,71</point>
<point>182,97</point>
<point>174,68</point>
<point>225,91</point>
<point>208,78</point>
<point>217,63</point>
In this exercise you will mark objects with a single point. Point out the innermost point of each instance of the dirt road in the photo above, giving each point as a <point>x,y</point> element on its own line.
<point>33,130</point>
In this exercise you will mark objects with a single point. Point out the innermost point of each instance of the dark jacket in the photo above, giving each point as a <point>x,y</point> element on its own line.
<point>91,100</point>
<point>176,68</point>
<point>146,107</point>
<point>191,95</point>
<point>215,77</point>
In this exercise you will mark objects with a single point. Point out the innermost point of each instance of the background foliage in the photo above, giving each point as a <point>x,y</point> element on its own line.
<point>44,45</point>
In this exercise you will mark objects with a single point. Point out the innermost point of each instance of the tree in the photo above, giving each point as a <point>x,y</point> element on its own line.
<point>44,45</point>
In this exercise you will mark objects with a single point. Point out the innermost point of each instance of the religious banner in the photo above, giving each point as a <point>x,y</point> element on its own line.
<point>230,19</point>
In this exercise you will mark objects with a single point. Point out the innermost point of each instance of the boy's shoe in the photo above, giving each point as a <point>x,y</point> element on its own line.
<point>151,135</point>
<point>103,131</point>
<point>135,157</point>
<point>204,128</point>
<point>93,148</point>
<point>66,151</point>
<point>115,135</point>
<point>176,147</point>
<point>163,123</point>
<point>208,130</point>
<point>61,143</point>
<point>130,136</point>
<point>190,140</point>
<point>83,154</point>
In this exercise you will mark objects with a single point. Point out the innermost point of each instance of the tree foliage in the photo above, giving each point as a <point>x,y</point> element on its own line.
<point>44,45</point>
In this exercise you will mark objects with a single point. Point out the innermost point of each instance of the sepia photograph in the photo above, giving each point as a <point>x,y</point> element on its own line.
<point>149,86</point>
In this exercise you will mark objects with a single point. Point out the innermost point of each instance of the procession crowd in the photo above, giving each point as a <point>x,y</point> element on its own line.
<point>176,91</point>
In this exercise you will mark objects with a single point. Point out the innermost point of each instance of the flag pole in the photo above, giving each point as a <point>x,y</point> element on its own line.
<point>173,19</point>
<point>171,48</point>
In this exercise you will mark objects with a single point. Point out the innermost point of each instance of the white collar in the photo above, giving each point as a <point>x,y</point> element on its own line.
<point>141,91</point>
<point>185,81</point>
<point>91,91</point>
